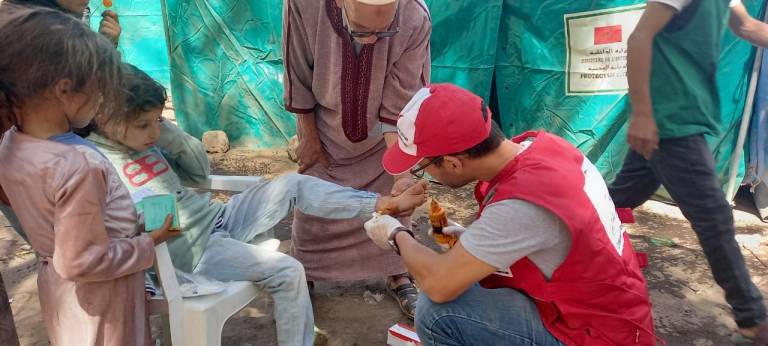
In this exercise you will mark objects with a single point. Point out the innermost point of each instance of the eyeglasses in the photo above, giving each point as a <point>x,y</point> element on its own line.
<point>363,34</point>
<point>418,172</point>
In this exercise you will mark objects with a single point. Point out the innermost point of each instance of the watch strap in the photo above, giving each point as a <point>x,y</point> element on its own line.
<point>393,242</point>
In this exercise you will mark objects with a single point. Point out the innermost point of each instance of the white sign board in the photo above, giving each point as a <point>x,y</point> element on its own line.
<point>596,60</point>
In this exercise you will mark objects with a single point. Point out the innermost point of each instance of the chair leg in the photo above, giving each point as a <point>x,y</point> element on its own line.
<point>202,329</point>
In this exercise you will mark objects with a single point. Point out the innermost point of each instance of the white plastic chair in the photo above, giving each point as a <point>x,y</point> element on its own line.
<point>200,320</point>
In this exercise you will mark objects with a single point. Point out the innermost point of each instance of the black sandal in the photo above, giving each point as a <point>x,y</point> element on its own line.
<point>406,295</point>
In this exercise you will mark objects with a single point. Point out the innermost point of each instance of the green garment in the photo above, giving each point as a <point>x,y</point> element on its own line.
<point>177,158</point>
<point>685,58</point>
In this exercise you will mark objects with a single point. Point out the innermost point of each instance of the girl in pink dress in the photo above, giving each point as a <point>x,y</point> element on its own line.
<point>56,74</point>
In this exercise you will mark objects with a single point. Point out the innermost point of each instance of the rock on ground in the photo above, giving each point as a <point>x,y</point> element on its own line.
<point>215,142</point>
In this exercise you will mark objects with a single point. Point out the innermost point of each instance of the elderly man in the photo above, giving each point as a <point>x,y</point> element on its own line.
<point>350,67</point>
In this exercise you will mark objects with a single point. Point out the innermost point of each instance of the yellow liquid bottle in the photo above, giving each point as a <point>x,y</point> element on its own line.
<point>439,220</point>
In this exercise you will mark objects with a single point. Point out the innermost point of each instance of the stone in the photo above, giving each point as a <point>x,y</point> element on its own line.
<point>293,146</point>
<point>215,142</point>
<point>703,342</point>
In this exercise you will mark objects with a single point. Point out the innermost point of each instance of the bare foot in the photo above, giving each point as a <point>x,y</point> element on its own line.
<point>404,203</point>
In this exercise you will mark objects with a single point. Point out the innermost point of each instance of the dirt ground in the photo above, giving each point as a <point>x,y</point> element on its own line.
<point>688,306</point>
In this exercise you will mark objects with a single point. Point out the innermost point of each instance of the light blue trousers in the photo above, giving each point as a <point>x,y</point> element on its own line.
<point>229,256</point>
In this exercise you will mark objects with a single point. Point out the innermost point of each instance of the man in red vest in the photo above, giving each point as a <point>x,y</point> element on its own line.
<point>553,262</point>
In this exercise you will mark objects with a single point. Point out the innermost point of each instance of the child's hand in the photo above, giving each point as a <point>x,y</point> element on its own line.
<point>165,232</point>
<point>110,26</point>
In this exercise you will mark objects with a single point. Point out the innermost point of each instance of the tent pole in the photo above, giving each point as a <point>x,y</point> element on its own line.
<point>745,118</point>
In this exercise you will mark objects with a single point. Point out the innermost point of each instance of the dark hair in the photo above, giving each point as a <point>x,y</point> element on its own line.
<point>140,94</point>
<point>43,46</point>
<point>52,4</point>
<point>494,140</point>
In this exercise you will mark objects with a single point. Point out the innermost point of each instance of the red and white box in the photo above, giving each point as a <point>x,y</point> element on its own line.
<point>402,334</point>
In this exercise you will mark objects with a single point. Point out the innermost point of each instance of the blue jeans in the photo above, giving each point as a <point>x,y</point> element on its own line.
<point>260,207</point>
<point>686,168</point>
<point>228,256</point>
<point>482,317</point>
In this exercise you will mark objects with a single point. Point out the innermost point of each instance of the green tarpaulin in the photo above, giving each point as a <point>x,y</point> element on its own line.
<point>463,44</point>
<point>226,68</point>
<point>531,85</point>
<point>142,41</point>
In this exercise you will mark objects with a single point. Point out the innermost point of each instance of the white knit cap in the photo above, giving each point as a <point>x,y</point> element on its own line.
<point>376,2</point>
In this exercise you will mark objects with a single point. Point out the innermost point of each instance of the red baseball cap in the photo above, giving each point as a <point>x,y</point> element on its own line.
<point>439,120</point>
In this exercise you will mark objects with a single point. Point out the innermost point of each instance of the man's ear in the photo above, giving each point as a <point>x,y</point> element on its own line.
<point>452,163</point>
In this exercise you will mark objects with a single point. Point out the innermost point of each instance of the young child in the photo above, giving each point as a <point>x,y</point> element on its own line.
<point>78,216</point>
<point>154,156</point>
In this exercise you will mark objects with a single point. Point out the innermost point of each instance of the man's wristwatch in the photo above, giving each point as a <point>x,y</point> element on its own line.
<point>393,243</point>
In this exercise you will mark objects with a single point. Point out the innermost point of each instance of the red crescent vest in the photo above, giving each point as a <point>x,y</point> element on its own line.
<point>597,296</point>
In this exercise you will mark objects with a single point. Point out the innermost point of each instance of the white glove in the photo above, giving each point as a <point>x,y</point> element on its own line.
<point>454,229</point>
<point>380,229</point>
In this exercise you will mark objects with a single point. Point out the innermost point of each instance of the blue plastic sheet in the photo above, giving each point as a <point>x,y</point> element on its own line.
<point>757,169</point>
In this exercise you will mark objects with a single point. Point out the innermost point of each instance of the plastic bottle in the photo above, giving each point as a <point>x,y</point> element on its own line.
<point>439,220</point>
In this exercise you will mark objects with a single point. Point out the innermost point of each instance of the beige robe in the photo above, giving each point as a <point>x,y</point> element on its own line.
<point>356,97</point>
<point>82,223</point>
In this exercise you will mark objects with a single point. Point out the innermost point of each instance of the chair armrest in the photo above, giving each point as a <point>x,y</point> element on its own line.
<point>166,273</point>
<point>234,183</point>
<point>173,299</point>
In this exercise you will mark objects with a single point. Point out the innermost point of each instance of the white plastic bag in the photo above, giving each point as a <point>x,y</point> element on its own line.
<point>190,285</point>
<point>194,285</point>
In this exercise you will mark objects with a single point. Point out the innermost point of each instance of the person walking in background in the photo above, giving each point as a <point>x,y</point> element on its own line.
<point>672,61</point>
